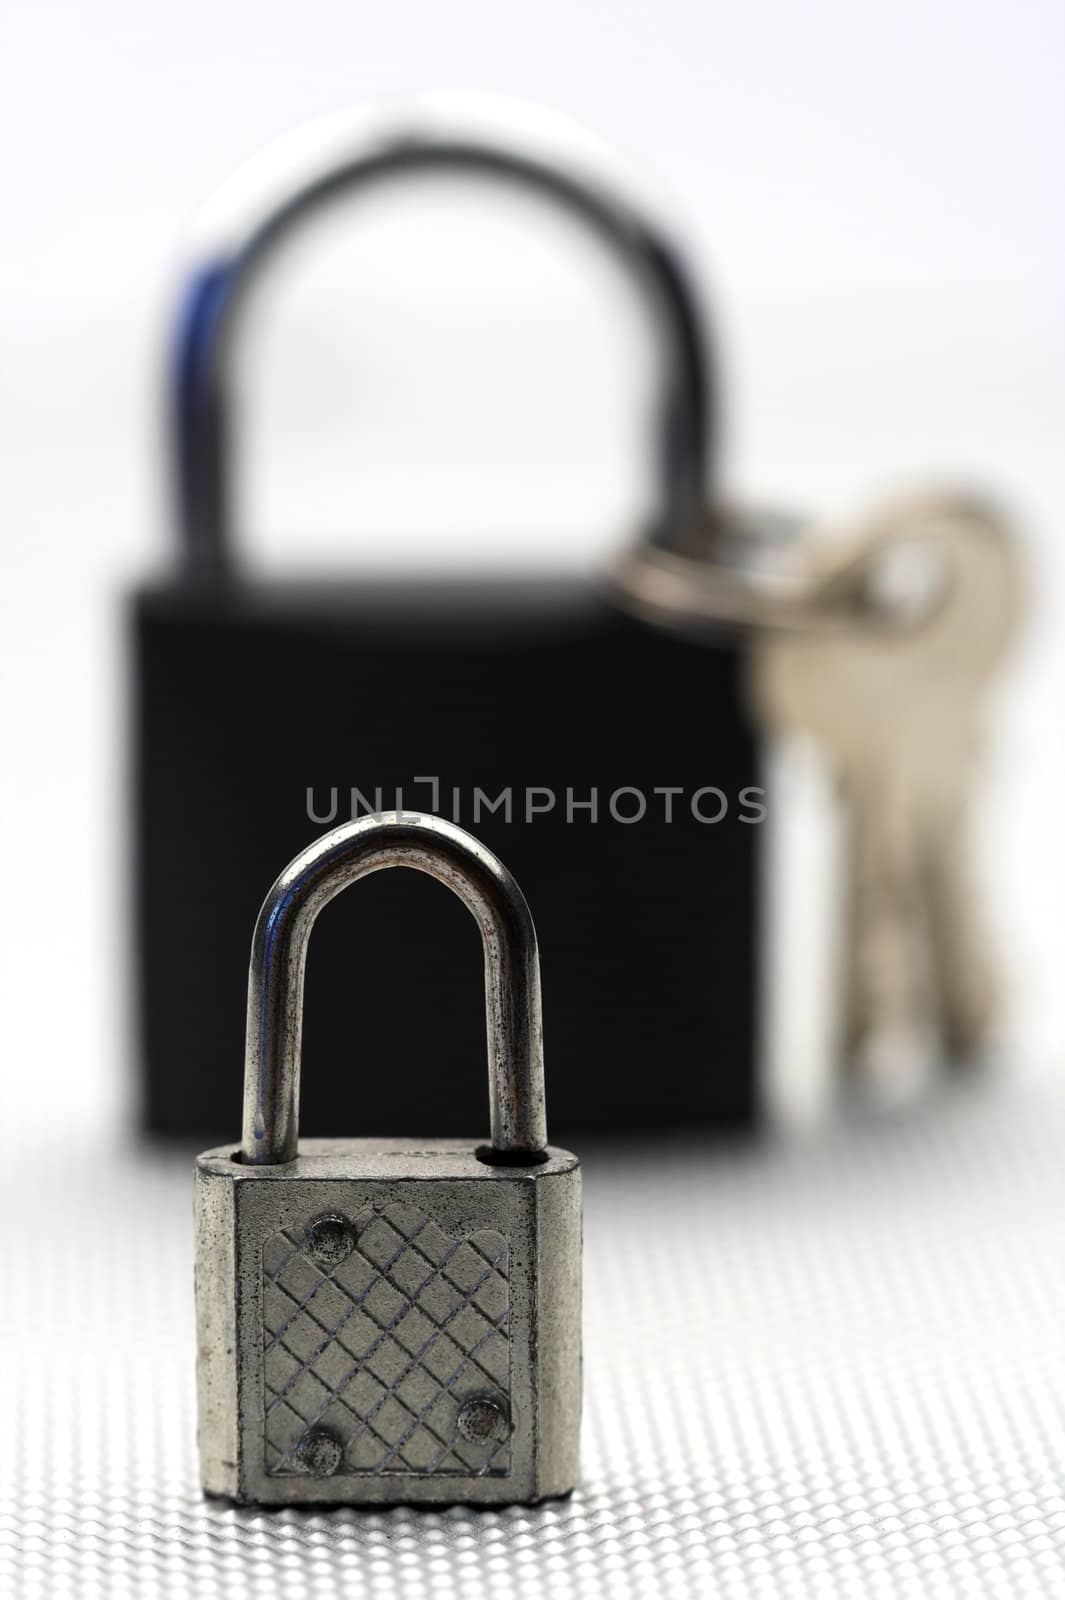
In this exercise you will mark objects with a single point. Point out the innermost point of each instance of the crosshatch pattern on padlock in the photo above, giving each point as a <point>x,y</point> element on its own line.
<point>384,1348</point>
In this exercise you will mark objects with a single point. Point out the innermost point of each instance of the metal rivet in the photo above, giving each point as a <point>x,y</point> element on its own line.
<point>321,1452</point>
<point>329,1241</point>
<point>483,1419</point>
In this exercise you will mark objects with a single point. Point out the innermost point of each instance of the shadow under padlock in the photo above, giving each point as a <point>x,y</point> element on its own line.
<point>628,772</point>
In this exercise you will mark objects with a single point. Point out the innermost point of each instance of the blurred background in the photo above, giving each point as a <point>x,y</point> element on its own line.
<point>871,199</point>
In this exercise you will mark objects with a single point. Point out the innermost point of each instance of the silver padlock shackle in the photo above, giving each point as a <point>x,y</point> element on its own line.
<point>200,376</point>
<point>511,969</point>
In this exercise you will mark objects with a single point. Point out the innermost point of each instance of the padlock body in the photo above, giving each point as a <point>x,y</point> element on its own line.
<point>388,1322</point>
<point>265,715</point>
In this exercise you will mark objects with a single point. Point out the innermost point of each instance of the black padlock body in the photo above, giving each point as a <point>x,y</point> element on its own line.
<point>247,697</point>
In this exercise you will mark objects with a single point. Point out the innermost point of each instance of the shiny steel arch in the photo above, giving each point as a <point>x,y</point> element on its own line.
<point>278,961</point>
<point>200,391</point>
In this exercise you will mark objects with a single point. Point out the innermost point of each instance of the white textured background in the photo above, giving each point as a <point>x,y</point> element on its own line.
<point>826,1370</point>
<point>866,1397</point>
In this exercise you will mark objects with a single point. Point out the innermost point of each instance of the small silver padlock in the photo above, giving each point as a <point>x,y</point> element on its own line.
<point>390,1320</point>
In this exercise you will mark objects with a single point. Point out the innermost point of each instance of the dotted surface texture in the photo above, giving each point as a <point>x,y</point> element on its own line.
<point>833,1368</point>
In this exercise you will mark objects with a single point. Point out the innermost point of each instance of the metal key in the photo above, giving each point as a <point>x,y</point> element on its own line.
<point>887,665</point>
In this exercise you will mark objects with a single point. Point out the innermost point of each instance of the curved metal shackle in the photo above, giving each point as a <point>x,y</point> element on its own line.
<point>279,955</point>
<point>200,378</point>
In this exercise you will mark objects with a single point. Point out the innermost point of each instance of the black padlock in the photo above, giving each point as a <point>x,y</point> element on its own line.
<point>608,760</point>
